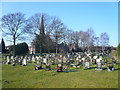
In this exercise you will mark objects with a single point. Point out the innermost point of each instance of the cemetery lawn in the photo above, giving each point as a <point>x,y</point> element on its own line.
<point>25,77</point>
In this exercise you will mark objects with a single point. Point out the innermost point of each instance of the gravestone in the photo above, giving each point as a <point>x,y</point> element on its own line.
<point>45,61</point>
<point>87,63</point>
<point>64,59</point>
<point>20,61</point>
<point>98,60</point>
<point>68,55</point>
<point>52,62</point>
<point>37,58</point>
<point>8,60</point>
<point>83,60</point>
<point>71,60</point>
<point>4,57</point>
<point>59,60</point>
<point>11,58</point>
<point>113,60</point>
<point>88,54</point>
<point>25,61</point>
<point>99,66</point>
<point>48,67</point>
<point>110,67</point>
<point>93,61</point>
<point>95,57</point>
<point>79,62</point>
<point>100,57</point>
<point>59,67</point>
<point>13,62</point>
<point>39,66</point>
<point>90,57</point>
<point>16,59</point>
<point>106,60</point>
<point>33,59</point>
<point>103,62</point>
<point>21,58</point>
<point>79,56</point>
<point>68,62</point>
<point>73,65</point>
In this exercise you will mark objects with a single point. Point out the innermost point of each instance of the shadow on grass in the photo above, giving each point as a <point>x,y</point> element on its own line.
<point>92,67</point>
<point>116,69</point>
<point>103,68</point>
<point>70,71</point>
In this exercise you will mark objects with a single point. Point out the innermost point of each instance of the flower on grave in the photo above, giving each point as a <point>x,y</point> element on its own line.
<point>57,68</point>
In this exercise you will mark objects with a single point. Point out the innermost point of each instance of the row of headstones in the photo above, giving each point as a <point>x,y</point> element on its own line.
<point>60,67</point>
<point>25,59</point>
<point>87,59</point>
<point>38,58</point>
<point>87,62</point>
<point>78,58</point>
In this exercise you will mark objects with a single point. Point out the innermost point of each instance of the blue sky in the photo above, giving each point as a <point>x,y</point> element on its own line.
<point>101,16</point>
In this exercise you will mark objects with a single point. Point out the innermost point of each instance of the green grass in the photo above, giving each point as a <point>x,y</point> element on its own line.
<point>26,77</point>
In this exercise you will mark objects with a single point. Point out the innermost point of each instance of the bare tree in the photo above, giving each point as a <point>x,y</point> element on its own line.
<point>90,38</point>
<point>49,29</point>
<point>37,27</point>
<point>96,40</point>
<point>104,40</point>
<point>57,29</point>
<point>75,37</point>
<point>83,39</point>
<point>12,25</point>
<point>70,37</point>
<point>65,36</point>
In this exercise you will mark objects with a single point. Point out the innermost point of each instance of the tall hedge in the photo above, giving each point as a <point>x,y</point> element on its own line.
<point>21,49</point>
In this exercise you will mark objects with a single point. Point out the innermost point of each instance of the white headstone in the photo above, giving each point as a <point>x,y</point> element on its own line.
<point>88,54</point>
<point>83,59</point>
<point>95,57</point>
<point>100,57</point>
<point>24,61</point>
<point>79,56</point>
<point>44,60</point>
<point>87,64</point>
<point>33,59</point>
<point>37,57</point>
<point>97,60</point>
<point>68,55</point>
<point>7,57</point>
<point>21,57</point>
<point>99,65</point>
<point>8,60</point>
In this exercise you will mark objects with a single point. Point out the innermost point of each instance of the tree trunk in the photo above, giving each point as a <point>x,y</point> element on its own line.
<point>40,48</point>
<point>56,45</point>
<point>56,50</point>
<point>103,49</point>
<point>48,45</point>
